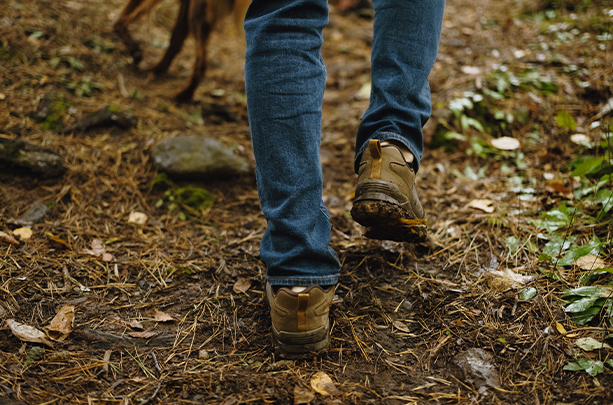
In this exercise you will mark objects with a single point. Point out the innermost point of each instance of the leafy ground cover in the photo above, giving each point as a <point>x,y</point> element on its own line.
<point>163,275</point>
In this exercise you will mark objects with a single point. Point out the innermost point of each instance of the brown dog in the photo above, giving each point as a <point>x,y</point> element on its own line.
<point>196,16</point>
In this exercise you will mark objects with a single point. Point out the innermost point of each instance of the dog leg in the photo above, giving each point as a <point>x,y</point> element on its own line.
<point>133,10</point>
<point>179,33</point>
<point>201,29</point>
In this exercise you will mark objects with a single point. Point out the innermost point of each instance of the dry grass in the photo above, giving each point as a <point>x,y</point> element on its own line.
<point>217,348</point>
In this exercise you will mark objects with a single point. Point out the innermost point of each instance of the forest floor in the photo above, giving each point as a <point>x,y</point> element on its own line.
<point>175,311</point>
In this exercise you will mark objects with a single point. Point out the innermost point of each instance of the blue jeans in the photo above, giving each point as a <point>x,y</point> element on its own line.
<point>285,78</point>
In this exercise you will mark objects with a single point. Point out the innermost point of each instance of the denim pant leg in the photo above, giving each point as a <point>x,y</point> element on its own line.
<point>285,78</point>
<point>405,45</point>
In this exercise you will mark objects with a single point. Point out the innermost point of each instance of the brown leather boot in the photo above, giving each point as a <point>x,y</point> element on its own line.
<point>385,199</point>
<point>300,322</point>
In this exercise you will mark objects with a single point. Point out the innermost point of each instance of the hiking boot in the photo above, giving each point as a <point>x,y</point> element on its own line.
<point>385,199</point>
<point>300,322</point>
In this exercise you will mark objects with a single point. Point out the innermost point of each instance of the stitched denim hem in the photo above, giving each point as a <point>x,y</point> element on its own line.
<point>301,281</point>
<point>386,136</point>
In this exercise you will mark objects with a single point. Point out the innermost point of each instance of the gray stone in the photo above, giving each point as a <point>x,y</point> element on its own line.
<point>476,366</point>
<point>407,305</point>
<point>22,155</point>
<point>197,156</point>
<point>35,214</point>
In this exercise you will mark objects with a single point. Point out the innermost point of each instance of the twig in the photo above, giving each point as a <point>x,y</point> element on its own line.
<point>152,397</point>
<point>466,253</point>
<point>596,328</point>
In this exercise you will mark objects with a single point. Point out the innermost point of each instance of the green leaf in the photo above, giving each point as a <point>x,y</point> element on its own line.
<point>582,305</point>
<point>554,220</point>
<point>543,257</point>
<point>581,318</point>
<point>588,291</point>
<point>76,63</point>
<point>565,120</point>
<point>609,362</point>
<point>589,165</point>
<point>605,197</point>
<point>592,367</point>
<point>607,269</point>
<point>527,293</point>
<point>464,122</point>
<point>182,216</point>
<point>588,188</point>
<point>455,135</point>
<point>475,124</point>
<point>493,94</point>
<point>590,344</point>
<point>573,366</point>
<point>593,247</point>
<point>512,245</point>
<point>558,245</point>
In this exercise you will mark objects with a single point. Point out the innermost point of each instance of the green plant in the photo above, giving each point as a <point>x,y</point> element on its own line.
<point>592,367</point>
<point>54,119</point>
<point>84,87</point>
<point>585,303</point>
<point>186,201</point>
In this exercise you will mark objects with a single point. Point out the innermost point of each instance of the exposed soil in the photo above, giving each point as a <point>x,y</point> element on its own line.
<point>403,311</point>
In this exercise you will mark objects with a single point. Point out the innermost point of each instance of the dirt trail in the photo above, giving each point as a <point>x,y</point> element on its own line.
<point>402,312</point>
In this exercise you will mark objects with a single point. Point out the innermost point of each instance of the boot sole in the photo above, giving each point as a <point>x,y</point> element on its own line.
<point>387,220</point>
<point>299,344</point>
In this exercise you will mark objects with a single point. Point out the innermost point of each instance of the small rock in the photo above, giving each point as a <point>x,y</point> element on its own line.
<point>476,366</point>
<point>38,160</point>
<point>197,156</point>
<point>35,214</point>
<point>407,305</point>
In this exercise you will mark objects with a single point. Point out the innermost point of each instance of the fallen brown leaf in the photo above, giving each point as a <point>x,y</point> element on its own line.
<point>241,285</point>
<point>62,324</point>
<point>136,324</point>
<point>57,239</point>
<point>401,326</point>
<point>24,233</point>
<point>6,238</point>
<point>505,143</point>
<point>556,186</point>
<point>137,218</point>
<point>98,250</point>
<point>322,383</point>
<point>484,205</point>
<point>590,262</point>
<point>302,395</point>
<point>160,316</point>
<point>28,333</point>
<point>507,279</point>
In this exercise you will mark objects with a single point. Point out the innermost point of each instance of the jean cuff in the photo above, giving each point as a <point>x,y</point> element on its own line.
<point>387,136</point>
<point>302,281</point>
